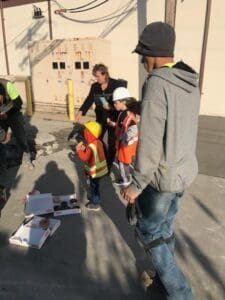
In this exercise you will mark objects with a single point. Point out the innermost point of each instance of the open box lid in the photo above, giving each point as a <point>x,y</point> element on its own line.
<point>38,204</point>
<point>32,234</point>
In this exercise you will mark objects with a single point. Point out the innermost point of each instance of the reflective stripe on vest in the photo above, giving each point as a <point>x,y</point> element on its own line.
<point>127,121</point>
<point>100,167</point>
<point>133,140</point>
<point>10,89</point>
<point>169,65</point>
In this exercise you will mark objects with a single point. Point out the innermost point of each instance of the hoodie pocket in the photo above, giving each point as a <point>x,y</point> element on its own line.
<point>171,176</point>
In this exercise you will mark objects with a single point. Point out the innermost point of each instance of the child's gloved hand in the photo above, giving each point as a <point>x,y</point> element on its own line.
<point>80,146</point>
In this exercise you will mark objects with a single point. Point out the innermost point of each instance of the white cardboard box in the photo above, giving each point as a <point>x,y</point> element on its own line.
<point>66,205</point>
<point>31,234</point>
<point>38,204</point>
<point>53,223</point>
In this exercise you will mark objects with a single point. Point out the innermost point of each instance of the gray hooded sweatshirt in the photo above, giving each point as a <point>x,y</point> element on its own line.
<point>166,153</point>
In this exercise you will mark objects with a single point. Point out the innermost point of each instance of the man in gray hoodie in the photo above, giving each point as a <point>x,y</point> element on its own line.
<point>166,161</point>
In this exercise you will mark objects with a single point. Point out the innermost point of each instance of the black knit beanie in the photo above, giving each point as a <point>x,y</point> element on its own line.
<point>157,40</point>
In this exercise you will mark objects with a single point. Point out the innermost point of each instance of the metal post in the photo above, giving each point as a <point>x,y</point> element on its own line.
<point>204,43</point>
<point>70,99</point>
<point>29,108</point>
<point>142,22</point>
<point>170,12</point>
<point>4,39</point>
<point>50,19</point>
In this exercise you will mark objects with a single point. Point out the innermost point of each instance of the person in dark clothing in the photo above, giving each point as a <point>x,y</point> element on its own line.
<point>11,116</point>
<point>101,95</point>
<point>4,139</point>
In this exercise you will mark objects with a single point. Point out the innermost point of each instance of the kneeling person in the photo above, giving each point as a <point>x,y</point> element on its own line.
<point>12,116</point>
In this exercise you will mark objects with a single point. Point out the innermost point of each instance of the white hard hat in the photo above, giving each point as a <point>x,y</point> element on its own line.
<point>120,93</point>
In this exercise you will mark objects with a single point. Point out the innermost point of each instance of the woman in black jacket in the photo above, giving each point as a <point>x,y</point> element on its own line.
<point>101,94</point>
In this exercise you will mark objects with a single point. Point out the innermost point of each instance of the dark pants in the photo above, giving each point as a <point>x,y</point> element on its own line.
<point>3,165</point>
<point>16,122</point>
<point>110,148</point>
<point>94,190</point>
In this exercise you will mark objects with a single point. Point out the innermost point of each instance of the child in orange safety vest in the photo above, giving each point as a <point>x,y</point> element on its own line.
<point>95,162</point>
<point>126,133</point>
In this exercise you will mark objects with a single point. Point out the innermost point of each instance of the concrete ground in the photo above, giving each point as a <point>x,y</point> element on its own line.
<point>94,255</point>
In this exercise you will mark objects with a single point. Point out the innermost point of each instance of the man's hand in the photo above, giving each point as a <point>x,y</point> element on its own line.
<point>106,106</point>
<point>129,194</point>
<point>7,137</point>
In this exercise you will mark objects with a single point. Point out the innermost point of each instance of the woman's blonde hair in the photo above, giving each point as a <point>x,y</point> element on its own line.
<point>100,68</point>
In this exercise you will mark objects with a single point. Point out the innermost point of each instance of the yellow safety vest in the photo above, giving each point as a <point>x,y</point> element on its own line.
<point>98,168</point>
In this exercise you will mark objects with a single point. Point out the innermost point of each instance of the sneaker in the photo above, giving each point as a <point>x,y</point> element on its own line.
<point>132,166</point>
<point>118,182</point>
<point>121,183</point>
<point>27,162</point>
<point>26,158</point>
<point>116,164</point>
<point>72,156</point>
<point>156,288</point>
<point>92,206</point>
<point>147,279</point>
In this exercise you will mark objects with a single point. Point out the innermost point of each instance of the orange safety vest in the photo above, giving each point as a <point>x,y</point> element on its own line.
<point>126,152</point>
<point>97,166</point>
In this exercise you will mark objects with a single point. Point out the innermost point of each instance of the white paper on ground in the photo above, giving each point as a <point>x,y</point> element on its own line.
<point>38,204</point>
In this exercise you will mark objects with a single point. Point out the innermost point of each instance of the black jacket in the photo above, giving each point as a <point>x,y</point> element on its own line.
<point>94,97</point>
<point>17,102</point>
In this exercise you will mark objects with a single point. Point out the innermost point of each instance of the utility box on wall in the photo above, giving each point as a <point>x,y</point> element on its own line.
<point>54,62</point>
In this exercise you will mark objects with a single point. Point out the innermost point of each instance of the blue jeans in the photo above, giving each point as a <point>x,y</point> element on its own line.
<point>94,190</point>
<point>156,220</point>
